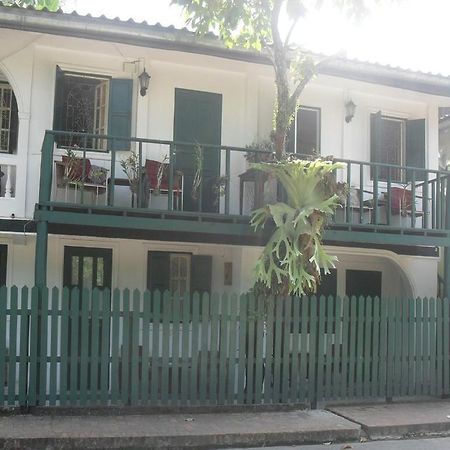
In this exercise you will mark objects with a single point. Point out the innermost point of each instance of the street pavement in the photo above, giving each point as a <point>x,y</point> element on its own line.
<point>416,444</point>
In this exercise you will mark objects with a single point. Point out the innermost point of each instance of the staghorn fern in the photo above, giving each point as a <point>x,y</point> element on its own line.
<point>292,258</point>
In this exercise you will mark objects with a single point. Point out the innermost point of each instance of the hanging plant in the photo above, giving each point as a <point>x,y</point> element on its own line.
<point>291,261</point>
<point>197,182</point>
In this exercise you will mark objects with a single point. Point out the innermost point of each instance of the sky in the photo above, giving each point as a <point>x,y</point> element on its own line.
<point>410,34</point>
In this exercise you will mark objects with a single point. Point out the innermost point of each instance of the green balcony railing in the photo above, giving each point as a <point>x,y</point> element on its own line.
<point>217,181</point>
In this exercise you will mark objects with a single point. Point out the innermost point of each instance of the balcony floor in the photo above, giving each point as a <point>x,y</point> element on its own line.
<point>220,228</point>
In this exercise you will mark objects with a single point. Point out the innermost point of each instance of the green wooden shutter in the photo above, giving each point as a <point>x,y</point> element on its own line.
<point>58,108</point>
<point>120,108</point>
<point>375,139</point>
<point>158,271</point>
<point>415,146</point>
<point>201,273</point>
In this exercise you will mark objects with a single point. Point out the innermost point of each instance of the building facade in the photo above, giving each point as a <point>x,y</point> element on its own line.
<point>71,217</point>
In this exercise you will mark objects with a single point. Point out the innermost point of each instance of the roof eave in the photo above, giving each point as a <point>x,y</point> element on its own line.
<point>170,38</point>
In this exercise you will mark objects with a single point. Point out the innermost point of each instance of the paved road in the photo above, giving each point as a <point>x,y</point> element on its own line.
<point>419,444</point>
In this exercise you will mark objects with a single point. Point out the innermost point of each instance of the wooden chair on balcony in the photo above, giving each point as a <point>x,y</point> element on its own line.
<point>158,178</point>
<point>70,176</point>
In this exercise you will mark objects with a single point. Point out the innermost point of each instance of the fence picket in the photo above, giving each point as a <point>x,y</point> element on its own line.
<point>329,346</point>
<point>105,345</point>
<point>213,361</point>
<point>398,348</point>
<point>439,349</point>
<point>411,345</point>
<point>95,342</point>
<point>268,372</point>
<point>3,309</point>
<point>115,335</point>
<point>259,349</point>
<point>382,371</point>
<point>285,371</point>
<point>223,349</point>
<point>336,353</point>
<point>419,389</point>
<point>23,357</point>
<point>175,380</point>
<point>345,345</point>
<point>43,341</point>
<point>295,355</point>
<point>85,356</point>
<point>145,355</point>
<point>277,349</point>
<point>425,347</point>
<point>195,350</point>
<point>446,349</point>
<point>125,350</point>
<point>204,352</point>
<point>242,342</point>
<point>65,315</point>
<point>432,318</point>
<point>352,348</point>
<point>135,353</point>
<point>374,380</point>
<point>34,345</point>
<point>250,349</point>
<point>166,309</point>
<point>12,351</point>
<point>390,370</point>
<point>156,380</point>
<point>233,354</point>
<point>54,333</point>
<point>360,325</point>
<point>368,346</point>
<point>185,340</point>
<point>312,391</point>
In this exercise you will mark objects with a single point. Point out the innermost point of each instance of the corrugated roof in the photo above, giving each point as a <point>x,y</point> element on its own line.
<point>182,39</point>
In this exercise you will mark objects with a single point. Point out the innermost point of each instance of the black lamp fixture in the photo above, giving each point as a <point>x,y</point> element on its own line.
<point>349,111</point>
<point>144,79</point>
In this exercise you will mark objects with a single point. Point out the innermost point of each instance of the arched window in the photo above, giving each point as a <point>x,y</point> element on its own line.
<point>9,119</point>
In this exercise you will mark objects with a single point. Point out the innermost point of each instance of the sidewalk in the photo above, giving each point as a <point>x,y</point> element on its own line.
<point>222,430</point>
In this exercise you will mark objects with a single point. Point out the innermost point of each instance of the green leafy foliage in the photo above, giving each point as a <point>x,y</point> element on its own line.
<point>291,261</point>
<point>51,5</point>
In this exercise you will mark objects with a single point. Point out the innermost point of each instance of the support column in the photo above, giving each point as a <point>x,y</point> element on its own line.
<point>447,247</point>
<point>40,261</point>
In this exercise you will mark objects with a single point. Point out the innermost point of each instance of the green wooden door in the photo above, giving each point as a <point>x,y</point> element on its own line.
<point>198,119</point>
<point>88,337</point>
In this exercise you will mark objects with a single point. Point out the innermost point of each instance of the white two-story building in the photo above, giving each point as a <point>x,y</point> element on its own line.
<point>74,116</point>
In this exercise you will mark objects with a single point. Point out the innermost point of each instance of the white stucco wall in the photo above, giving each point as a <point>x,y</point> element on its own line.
<point>402,275</point>
<point>28,62</point>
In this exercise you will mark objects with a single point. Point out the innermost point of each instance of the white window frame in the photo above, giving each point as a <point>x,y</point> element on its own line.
<point>318,112</point>
<point>179,278</point>
<point>8,109</point>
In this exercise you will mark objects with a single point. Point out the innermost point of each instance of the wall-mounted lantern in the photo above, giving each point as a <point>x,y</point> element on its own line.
<point>144,79</point>
<point>349,111</point>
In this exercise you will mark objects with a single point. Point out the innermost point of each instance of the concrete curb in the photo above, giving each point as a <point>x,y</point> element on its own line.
<point>399,420</point>
<point>202,431</point>
<point>183,442</point>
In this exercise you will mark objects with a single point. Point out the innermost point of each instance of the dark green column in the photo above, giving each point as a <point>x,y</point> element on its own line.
<point>40,262</point>
<point>447,247</point>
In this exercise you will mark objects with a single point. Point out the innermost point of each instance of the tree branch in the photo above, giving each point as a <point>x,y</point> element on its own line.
<point>291,29</point>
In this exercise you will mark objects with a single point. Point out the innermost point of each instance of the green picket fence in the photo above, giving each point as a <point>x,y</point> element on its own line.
<point>72,348</point>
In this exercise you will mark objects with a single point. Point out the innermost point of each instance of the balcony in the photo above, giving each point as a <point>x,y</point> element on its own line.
<point>195,189</point>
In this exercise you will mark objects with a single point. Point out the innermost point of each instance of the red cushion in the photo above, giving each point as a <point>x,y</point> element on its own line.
<point>152,167</point>
<point>75,168</point>
<point>401,199</point>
